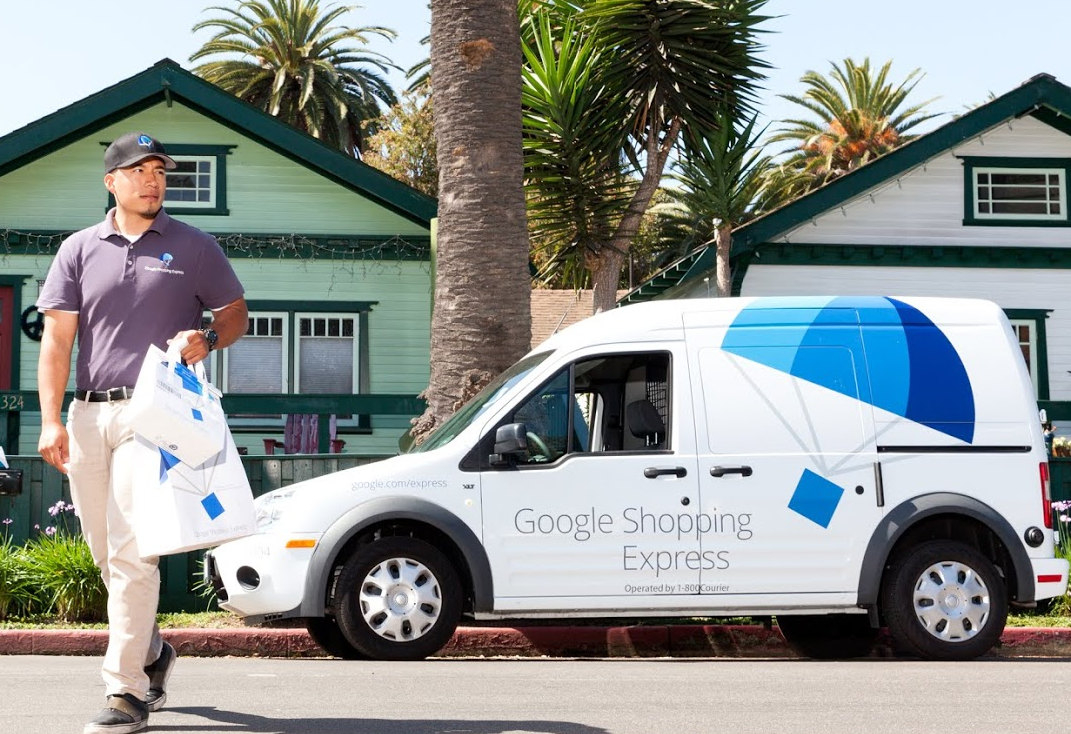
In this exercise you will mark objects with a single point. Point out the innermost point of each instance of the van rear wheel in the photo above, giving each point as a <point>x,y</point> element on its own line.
<point>828,636</point>
<point>944,600</point>
<point>398,598</point>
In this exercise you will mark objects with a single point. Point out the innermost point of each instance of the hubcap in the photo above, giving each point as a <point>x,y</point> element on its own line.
<point>400,599</point>
<point>951,601</point>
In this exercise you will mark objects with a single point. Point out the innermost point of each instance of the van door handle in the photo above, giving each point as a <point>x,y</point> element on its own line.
<point>721,471</point>
<point>652,471</point>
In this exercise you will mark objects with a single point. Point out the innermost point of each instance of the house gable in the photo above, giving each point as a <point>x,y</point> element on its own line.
<point>166,82</point>
<point>1042,98</point>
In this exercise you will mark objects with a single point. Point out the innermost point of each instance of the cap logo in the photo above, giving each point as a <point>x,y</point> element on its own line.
<point>145,141</point>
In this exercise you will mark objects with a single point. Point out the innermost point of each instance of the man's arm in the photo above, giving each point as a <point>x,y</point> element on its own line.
<point>53,371</point>
<point>229,322</point>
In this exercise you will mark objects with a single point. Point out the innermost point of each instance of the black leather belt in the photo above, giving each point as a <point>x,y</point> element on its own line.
<point>104,396</point>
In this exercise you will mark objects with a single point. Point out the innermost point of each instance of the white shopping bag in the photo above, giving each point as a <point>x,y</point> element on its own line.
<point>176,408</point>
<point>178,508</point>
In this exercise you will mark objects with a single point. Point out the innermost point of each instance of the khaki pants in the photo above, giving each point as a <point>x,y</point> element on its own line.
<point>102,482</point>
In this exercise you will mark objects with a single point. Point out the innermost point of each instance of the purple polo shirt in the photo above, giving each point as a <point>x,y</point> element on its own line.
<point>128,296</point>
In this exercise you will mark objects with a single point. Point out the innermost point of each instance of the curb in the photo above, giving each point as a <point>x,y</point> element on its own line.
<point>684,641</point>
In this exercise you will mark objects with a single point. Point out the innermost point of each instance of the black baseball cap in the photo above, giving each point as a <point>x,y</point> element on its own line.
<point>132,148</point>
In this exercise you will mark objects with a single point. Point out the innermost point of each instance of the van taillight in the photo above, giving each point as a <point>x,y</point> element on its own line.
<point>1046,496</point>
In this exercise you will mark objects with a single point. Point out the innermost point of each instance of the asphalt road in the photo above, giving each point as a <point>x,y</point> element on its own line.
<point>52,695</point>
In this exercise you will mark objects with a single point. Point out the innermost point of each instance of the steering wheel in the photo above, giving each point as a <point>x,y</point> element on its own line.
<point>539,444</point>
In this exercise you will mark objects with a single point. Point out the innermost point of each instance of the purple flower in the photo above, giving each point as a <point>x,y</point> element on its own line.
<point>1065,519</point>
<point>50,530</point>
<point>8,521</point>
<point>59,507</point>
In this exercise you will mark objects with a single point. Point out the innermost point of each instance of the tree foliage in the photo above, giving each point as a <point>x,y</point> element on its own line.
<point>858,115</point>
<point>404,143</point>
<point>723,181</point>
<point>609,85</point>
<point>288,58</point>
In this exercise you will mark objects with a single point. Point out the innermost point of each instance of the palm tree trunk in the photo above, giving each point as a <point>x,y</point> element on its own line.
<point>606,267</point>
<point>723,242</point>
<point>482,318</point>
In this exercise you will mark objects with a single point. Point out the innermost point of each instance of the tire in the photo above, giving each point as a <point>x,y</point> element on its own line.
<point>829,636</point>
<point>944,600</point>
<point>398,598</point>
<point>325,632</point>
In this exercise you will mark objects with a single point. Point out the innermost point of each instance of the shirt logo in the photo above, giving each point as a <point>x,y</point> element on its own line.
<point>144,141</point>
<point>165,266</point>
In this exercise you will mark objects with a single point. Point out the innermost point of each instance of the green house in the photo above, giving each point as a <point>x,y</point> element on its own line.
<point>334,255</point>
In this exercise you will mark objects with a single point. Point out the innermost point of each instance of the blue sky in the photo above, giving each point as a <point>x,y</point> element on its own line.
<point>55,52</point>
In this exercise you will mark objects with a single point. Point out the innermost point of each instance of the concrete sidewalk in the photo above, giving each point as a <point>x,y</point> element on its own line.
<point>744,641</point>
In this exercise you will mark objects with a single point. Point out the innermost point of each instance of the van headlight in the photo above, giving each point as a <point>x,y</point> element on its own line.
<point>271,507</point>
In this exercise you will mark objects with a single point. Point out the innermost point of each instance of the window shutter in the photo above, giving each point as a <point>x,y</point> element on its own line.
<point>326,365</point>
<point>255,365</point>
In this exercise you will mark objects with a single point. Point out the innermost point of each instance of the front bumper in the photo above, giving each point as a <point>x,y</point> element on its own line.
<point>258,577</point>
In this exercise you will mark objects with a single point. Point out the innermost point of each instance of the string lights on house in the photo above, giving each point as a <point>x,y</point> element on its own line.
<point>363,250</point>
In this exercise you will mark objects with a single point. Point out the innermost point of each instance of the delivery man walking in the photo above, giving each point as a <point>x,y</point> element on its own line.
<point>135,279</point>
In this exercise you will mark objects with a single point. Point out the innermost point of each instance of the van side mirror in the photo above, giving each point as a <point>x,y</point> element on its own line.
<point>511,440</point>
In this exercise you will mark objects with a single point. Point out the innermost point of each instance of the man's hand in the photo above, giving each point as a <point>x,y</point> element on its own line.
<point>54,446</point>
<point>196,347</point>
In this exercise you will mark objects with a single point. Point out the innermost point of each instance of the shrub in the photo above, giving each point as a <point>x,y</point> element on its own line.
<point>61,567</point>
<point>18,594</point>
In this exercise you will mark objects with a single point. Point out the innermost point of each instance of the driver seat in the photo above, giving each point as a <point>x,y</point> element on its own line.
<point>645,422</point>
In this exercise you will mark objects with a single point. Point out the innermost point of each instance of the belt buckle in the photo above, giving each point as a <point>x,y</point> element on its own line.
<point>116,394</point>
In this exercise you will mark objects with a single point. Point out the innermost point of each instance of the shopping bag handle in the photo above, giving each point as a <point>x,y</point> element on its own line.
<point>174,361</point>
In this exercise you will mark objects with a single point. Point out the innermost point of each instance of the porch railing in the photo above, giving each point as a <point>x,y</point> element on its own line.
<point>13,403</point>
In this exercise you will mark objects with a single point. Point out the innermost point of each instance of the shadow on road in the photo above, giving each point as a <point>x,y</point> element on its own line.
<point>233,721</point>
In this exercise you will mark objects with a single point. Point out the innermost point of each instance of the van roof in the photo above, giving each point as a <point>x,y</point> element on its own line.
<point>664,320</point>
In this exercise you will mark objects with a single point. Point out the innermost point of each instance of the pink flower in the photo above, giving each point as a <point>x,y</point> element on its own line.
<point>50,530</point>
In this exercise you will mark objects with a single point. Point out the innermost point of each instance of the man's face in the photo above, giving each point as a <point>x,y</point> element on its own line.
<point>139,189</point>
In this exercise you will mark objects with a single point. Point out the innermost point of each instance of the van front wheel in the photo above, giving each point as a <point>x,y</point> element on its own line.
<point>398,598</point>
<point>945,601</point>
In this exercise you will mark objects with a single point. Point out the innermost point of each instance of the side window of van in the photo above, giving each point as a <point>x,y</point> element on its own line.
<point>607,403</point>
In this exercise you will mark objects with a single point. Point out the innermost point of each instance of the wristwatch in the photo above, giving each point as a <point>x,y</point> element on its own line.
<point>210,336</point>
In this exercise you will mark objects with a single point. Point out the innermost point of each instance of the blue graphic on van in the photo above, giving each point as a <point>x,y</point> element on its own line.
<point>914,371</point>
<point>816,498</point>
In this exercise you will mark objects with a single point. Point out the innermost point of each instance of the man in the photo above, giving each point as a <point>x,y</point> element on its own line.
<point>137,278</point>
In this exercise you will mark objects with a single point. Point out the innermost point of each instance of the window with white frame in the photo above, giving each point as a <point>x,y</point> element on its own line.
<point>256,363</point>
<point>1020,193</point>
<point>1026,333</point>
<point>1016,191</point>
<point>326,353</point>
<point>192,184</point>
<point>292,352</point>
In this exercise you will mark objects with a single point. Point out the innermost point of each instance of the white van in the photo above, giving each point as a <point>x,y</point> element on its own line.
<point>843,463</point>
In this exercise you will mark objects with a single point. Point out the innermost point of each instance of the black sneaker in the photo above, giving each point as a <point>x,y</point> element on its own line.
<point>123,714</point>
<point>158,674</point>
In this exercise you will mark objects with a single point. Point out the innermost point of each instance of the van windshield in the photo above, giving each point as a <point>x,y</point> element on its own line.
<point>483,400</point>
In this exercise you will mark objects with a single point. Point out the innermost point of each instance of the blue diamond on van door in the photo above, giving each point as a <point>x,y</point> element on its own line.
<point>212,506</point>
<point>816,498</point>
